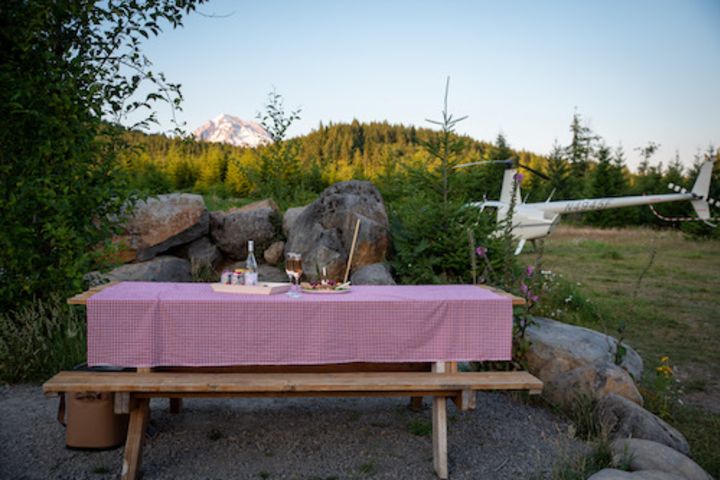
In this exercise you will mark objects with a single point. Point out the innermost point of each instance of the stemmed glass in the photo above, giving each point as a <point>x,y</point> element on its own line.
<point>293,269</point>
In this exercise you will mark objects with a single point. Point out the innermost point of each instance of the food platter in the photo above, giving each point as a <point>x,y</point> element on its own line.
<point>324,289</point>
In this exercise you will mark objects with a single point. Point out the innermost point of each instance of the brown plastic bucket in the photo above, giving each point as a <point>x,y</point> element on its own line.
<point>91,421</point>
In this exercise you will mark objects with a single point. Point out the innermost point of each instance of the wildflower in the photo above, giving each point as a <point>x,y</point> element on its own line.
<point>519,177</point>
<point>664,370</point>
<point>524,288</point>
<point>481,251</point>
<point>535,298</point>
<point>569,299</point>
<point>664,359</point>
<point>530,270</point>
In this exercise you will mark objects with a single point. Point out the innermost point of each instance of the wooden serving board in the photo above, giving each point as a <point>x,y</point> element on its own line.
<point>262,288</point>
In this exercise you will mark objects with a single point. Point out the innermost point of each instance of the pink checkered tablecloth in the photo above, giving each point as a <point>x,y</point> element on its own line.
<point>150,324</point>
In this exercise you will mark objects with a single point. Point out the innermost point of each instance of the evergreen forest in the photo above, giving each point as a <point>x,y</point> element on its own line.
<point>393,157</point>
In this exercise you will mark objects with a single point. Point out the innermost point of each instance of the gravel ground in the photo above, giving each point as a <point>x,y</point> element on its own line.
<point>294,438</point>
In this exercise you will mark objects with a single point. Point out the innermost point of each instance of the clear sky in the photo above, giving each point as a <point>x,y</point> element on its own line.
<point>636,70</point>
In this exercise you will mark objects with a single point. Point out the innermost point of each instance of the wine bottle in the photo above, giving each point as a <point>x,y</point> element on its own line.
<point>251,266</point>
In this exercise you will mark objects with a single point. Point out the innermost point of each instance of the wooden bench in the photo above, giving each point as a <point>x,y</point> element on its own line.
<point>134,391</point>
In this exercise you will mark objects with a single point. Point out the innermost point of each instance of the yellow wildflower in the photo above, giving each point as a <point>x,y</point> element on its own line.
<point>664,359</point>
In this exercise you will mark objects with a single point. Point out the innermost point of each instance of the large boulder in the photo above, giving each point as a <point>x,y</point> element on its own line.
<point>576,362</point>
<point>289,218</point>
<point>623,419</point>
<point>647,455</point>
<point>375,274</point>
<point>257,221</point>
<point>164,268</point>
<point>558,347</point>
<point>323,231</point>
<point>613,474</point>
<point>159,223</point>
<point>593,381</point>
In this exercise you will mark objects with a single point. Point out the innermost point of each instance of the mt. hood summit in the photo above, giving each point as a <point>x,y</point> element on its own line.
<point>233,130</point>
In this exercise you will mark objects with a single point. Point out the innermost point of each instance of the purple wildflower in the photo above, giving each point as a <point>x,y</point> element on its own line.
<point>534,298</point>
<point>530,270</point>
<point>524,288</point>
<point>519,177</point>
<point>481,251</point>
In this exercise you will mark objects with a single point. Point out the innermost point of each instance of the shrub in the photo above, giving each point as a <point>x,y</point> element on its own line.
<point>41,338</point>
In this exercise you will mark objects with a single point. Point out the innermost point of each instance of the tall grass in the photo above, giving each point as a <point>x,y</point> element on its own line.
<point>38,340</point>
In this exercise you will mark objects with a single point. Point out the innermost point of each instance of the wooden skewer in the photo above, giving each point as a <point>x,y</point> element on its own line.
<point>352,250</point>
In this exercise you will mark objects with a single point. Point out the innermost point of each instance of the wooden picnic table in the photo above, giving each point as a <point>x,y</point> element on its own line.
<point>408,377</point>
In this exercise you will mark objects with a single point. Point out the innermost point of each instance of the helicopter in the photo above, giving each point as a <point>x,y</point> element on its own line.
<point>533,221</point>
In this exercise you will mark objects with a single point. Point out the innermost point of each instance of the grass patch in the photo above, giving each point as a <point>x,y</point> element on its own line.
<point>38,340</point>
<point>421,428</point>
<point>701,431</point>
<point>215,202</point>
<point>368,469</point>
<point>582,467</point>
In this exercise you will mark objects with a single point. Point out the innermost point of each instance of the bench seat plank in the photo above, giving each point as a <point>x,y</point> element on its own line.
<point>248,383</point>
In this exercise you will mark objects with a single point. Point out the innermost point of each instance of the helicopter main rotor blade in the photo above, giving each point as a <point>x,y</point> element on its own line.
<point>507,162</point>
<point>536,172</point>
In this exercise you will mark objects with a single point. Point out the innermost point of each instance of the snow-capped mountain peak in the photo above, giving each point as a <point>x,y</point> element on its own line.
<point>233,130</point>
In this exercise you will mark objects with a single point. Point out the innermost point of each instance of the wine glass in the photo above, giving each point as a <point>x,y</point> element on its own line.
<point>293,269</point>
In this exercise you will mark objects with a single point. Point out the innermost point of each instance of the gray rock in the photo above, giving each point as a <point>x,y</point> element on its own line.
<point>375,274</point>
<point>164,268</point>
<point>623,418</point>
<point>231,230</point>
<point>291,214</point>
<point>559,347</point>
<point>613,474</point>
<point>202,251</point>
<point>323,231</point>
<point>268,273</point>
<point>592,381</point>
<point>160,223</point>
<point>648,455</point>
<point>274,253</point>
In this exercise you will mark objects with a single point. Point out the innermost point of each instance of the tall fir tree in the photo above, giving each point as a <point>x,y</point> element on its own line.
<point>578,153</point>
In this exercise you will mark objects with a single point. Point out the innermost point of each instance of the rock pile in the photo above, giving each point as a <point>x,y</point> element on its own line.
<point>172,237</point>
<point>577,364</point>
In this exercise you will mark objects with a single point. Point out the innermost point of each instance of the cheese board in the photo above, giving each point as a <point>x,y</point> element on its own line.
<point>262,288</point>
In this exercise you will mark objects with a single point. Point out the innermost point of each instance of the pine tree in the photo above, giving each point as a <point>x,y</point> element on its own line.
<point>559,172</point>
<point>607,180</point>
<point>578,154</point>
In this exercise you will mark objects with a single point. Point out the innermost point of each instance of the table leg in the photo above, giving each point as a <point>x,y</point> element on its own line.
<point>176,405</point>
<point>416,404</point>
<point>132,458</point>
<point>439,429</point>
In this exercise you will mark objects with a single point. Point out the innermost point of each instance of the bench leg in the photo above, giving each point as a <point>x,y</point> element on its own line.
<point>439,428</point>
<point>416,404</point>
<point>136,432</point>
